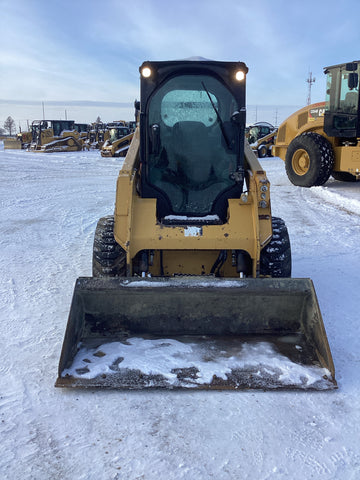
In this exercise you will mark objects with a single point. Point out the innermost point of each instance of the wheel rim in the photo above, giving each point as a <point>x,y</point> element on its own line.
<point>300,162</point>
<point>262,152</point>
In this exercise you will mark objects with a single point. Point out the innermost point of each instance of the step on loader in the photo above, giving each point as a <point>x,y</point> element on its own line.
<point>191,282</point>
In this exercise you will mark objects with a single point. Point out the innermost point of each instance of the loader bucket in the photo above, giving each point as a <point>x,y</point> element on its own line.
<point>195,333</point>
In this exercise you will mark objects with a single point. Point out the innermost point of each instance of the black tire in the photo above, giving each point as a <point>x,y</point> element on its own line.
<point>262,151</point>
<point>109,258</point>
<point>309,160</point>
<point>344,176</point>
<point>275,258</point>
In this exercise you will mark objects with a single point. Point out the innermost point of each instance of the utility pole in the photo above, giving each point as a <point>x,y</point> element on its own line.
<point>310,80</point>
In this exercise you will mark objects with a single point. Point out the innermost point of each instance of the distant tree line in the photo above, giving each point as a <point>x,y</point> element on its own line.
<point>9,126</point>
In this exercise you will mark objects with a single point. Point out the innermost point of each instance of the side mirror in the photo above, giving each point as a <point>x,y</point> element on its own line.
<point>239,117</point>
<point>236,117</point>
<point>353,80</point>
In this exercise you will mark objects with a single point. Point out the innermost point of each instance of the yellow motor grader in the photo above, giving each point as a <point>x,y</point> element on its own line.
<point>54,136</point>
<point>323,139</point>
<point>190,285</point>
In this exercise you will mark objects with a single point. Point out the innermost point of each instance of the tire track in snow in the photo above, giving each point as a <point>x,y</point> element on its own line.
<point>327,196</point>
<point>221,435</point>
<point>312,221</point>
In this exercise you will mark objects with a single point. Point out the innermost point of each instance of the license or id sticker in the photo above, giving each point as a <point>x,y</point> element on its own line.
<point>193,231</point>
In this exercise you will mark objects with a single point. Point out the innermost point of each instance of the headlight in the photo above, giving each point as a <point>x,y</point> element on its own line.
<point>239,75</point>
<point>146,72</point>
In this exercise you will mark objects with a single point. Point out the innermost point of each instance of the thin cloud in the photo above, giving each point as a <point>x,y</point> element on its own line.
<point>84,51</point>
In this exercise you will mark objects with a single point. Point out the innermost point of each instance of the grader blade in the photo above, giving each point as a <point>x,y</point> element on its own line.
<point>195,333</point>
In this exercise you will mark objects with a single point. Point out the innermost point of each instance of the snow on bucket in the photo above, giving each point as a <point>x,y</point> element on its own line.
<point>202,333</point>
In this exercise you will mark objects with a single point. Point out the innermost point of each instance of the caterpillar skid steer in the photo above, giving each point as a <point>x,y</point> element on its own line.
<point>54,136</point>
<point>261,138</point>
<point>118,142</point>
<point>190,285</point>
<point>323,139</point>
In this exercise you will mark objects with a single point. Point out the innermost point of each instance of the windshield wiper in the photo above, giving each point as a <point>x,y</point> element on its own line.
<point>221,123</point>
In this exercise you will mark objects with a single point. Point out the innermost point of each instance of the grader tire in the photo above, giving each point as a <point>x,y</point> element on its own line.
<point>309,160</point>
<point>275,258</point>
<point>109,258</point>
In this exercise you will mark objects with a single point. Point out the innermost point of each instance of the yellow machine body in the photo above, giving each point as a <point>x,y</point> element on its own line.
<point>21,141</point>
<point>323,139</point>
<point>55,136</point>
<point>136,228</point>
<point>118,141</point>
<point>98,134</point>
<point>261,137</point>
<point>311,119</point>
<point>187,293</point>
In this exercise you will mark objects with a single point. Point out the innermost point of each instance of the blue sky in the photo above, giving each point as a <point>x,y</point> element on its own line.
<point>61,53</point>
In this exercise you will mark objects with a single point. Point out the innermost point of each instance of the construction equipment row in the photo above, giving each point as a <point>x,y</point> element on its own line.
<point>66,135</point>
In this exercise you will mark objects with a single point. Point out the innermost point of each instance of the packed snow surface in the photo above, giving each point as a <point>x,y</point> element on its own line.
<point>50,204</point>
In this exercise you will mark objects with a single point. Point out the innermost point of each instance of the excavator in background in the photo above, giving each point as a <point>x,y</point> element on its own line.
<point>191,282</point>
<point>323,139</point>
<point>118,142</point>
<point>54,136</point>
<point>261,137</point>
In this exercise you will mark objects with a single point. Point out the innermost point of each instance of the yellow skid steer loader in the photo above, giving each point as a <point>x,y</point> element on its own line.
<point>190,285</point>
<point>118,142</point>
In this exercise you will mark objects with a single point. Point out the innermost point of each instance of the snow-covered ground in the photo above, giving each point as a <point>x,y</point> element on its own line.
<point>50,204</point>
